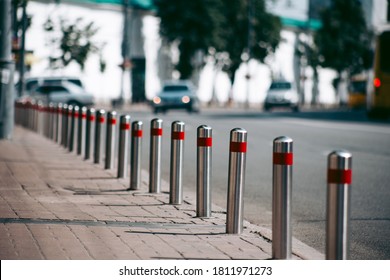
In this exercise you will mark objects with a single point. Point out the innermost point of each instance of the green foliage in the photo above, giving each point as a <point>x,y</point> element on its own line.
<point>74,43</point>
<point>264,31</point>
<point>344,40</point>
<point>221,25</point>
<point>192,24</point>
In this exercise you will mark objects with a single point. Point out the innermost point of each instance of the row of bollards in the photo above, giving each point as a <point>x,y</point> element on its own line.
<point>71,125</point>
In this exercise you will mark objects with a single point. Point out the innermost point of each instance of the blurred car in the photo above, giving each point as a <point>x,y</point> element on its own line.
<point>176,95</point>
<point>281,94</point>
<point>63,92</point>
<point>33,82</point>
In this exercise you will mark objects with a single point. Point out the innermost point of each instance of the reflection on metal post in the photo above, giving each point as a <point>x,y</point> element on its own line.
<point>135,162</point>
<point>338,205</point>
<point>156,132</point>
<point>100,119</point>
<point>110,140</point>
<point>281,197</point>
<point>177,150</point>
<point>123,151</point>
<point>58,131</point>
<point>203,171</point>
<point>236,181</point>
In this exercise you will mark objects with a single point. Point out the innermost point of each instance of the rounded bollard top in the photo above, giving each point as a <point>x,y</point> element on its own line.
<point>178,126</point>
<point>92,110</point>
<point>204,131</point>
<point>75,108</point>
<point>125,119</point>
<point>238,135</point>
<point>101,111</point>
<point>137,125</point>
<point>340,159</point>
<point>283,144</point>
<point>111,114</point>
<point>157,123</point>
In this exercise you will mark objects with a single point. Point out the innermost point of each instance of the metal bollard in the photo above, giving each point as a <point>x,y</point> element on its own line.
<point>236,181</point>
<point>81,130</point>
<point>156,132</point>
<point>123,151</point>
<point>58,130</point>
<point>100,119</point>
<point>135,158</point>
<point>177,150</point>
<point>89,132</point>
<point>203,171</point>
<point>338,205</point>
<point>73,125</point>
<point>64,125</point>
<point>68,124</point>
<point>281,197</point>
<point>110,140</point>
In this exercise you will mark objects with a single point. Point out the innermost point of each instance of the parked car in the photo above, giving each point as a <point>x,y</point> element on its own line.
<point>33,82</point>
<point>176,95</point>
<point>281,94</point>
<point>63,92</point>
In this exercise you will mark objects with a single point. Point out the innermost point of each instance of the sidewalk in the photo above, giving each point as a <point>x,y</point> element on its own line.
<point>55,205</point>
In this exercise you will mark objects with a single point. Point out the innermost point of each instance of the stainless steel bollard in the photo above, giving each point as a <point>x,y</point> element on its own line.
<point>89,128</point>
<point>203,171</point>
<point>68,125</point>
<point>339,179</point>
<point>123,151</point>
<point>236,181</point>
<point>156,132</point>
<point>81,130</point>
<point>135,158</point>
<point>64,125</point>
<point>110,140</point>
<point>58,130</point>
<point>100,119</point>
<point>73,128</point>
<point>177,151</point>
<point>281,197</point>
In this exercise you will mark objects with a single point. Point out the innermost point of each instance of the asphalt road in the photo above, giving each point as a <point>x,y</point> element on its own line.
<point>315,135</point>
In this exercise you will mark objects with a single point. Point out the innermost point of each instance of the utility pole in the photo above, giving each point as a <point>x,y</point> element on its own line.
<point>6,71</point>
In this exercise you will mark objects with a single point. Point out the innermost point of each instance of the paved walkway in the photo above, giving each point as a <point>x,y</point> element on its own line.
<point>54,205</point>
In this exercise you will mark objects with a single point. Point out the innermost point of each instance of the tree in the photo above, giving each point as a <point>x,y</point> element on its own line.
<point>74,43</point>
<point>248,28</point>
<point>344,40</point>
<point>193,25</point>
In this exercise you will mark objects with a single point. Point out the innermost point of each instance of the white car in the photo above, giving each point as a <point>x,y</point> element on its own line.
<point>63,92</point>
<point>282,94</point>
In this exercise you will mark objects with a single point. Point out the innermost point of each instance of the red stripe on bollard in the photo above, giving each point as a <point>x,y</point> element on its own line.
<point>283,158</point>
<point>137,133</point>
<point>205,142</point>
<point>76,115</point>
<point>83,116</point>
<point>336,176</point>
<point>125,126</point>
<point>178,135</point>
<point>113,121</point>
<point>238,147</point>
<point>157,132</point>
<point>101,120</point>
<point>91,118</point>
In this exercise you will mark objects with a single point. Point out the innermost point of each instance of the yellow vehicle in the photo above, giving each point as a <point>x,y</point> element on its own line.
<point>379,99</point>
<point>357,92</point>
